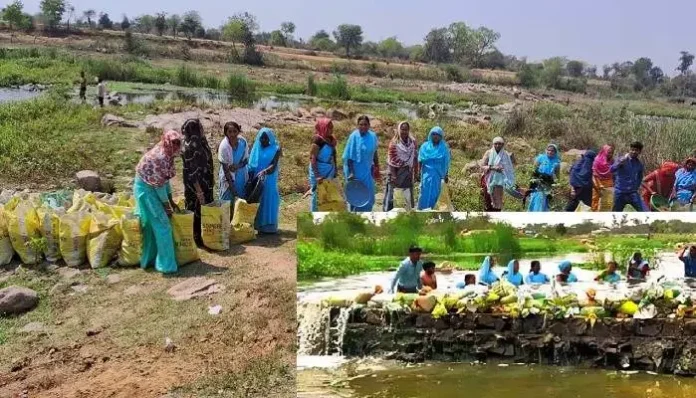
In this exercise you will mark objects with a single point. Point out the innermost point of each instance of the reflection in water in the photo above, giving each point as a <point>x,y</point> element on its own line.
<point>490,381</point>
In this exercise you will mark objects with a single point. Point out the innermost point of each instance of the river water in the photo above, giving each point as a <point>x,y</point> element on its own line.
<point>321,375</point>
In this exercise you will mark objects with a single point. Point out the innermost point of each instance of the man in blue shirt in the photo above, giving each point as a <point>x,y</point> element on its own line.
<point>408,276</point>
<point>628,177</point>
<point>689,260</point>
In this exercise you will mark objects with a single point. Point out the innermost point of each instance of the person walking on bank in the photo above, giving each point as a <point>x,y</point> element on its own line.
<point>198,173</point>
<point>602,179</point>
<point>402,159</point>
<point>154,204</point>
<point>361,161</point>
<point>581,181</point>
<point>408,277</point>
<point>83,87</point>
<point>628,178</point>
<point>101,92</point>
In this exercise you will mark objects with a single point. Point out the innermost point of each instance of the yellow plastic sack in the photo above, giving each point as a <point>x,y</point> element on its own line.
<point>74,231</point>
<point>82,201</point>
<point>215,225</point>
<point>49,220</point>
<point>124,200</point>
<point>104,240</point>
<point>6,250</point>
<point>329,198</point>
<point>132,244</point>
<point>23,225</point>
<point>12,204</point>
<point>444,203</point>
<point>184,245</point>
<point>606,199</point>
<point>244,213</point>
<point>242,233</point>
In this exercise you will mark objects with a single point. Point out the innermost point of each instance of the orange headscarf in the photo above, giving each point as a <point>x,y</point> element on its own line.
<point>322,131</point>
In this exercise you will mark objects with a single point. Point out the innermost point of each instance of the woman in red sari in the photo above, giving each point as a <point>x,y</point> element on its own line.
<point>660,182</point>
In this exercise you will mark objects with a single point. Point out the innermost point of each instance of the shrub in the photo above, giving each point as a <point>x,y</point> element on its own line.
<point>338,88</point>
<point>529,76</point>
<point>239,87</point>
<point>187,77</point>
<point>454,73</point>
<point>311,88</point>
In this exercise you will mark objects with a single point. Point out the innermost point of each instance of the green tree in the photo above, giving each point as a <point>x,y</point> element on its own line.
<point>278,39</point>
<point>173,22</point>
<point>13,13</point>
<point>461,42</point>
<point>591,71</point>
<point>369,48</point>
<point>234,31</point>
<point>390,47</point>
<point>656,74</point>
<point>125,23</point>
<point>437,46</point>
<point>323,44</point>
<point>322,34</point>
<point>89,15</point>
<point>685,61</point>
<point>494,60</point>
<point>606,71</point>
<point>575,68</point>
<point>105,22</point>
<point>191,24</point>
<point>529,75</point>
<point>213,34</point>
<point>71,12</point>
<point>484,40</point>
<point>288,29</point>
<point>415,53</point>
<point>52,11</point>
<point>145,23</point>
<point>248,20</point>
<point>348,36</point>
<point>161,23</point>
<point>553,70</point>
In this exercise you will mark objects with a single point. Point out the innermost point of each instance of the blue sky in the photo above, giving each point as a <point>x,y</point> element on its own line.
<point>596,31</point>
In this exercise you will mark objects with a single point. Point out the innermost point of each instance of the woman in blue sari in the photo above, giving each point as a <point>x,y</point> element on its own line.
<point>263,163</point>
<point>512,274</point>
<point>360,160</point>
<point>322,164</point>
<point>566,275</point>
<point>434,159</point>
<point>233,155</point>
<point>486,274</point>
<point>547,168</point>
<point>685,183</point>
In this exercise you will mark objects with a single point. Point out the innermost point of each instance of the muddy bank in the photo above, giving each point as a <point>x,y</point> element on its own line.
<point>659,345</point>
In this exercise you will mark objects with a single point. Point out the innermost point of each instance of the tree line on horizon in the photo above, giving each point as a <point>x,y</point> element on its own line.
<point>457,46</point>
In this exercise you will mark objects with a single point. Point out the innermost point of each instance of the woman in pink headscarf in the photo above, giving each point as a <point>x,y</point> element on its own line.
<point>154,204</point>
<point>602,178</point>
<point>402,159</point>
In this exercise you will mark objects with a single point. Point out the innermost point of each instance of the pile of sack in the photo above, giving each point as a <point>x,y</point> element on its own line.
<point>82,227</point>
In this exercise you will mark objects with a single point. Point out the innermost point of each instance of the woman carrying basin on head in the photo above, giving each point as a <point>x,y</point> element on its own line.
<point>198,172</point>
<point>434,159</point>
<point>498,174</point>
<point>402,159</point>
<point>360,161</point>
<point>322,158</point>
<point>547,168</point>
<point>154,204</point>
<point>685,183</point>
<point>263,164</point>
<point>233,155</point>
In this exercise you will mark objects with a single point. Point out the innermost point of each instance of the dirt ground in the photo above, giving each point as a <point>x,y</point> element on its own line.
<point>104,331</point>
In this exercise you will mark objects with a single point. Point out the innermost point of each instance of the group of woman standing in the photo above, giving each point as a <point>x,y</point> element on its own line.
<point>407,164</point>
<point>153,193</point>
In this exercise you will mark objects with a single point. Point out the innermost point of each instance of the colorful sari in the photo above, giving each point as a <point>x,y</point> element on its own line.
<point>685,184</point>
<point>402,160</point>
<point>228,156</point>
<point>486,275</point>
<point>660,182</point>
<point>602,177</point>
<point>323,165</point>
